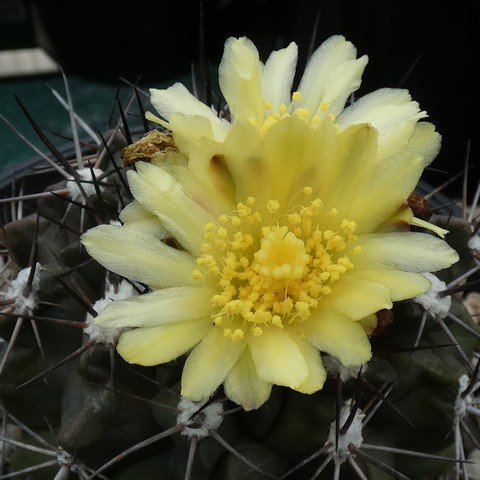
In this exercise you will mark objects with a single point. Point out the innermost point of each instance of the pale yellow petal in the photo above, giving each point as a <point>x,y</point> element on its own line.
<point>160,193</point>
<point>426,141</point>
<point>245,163</point>
<point>155,345</point>
<point>380,198</point>
<point>188,130</point>
<point>356,153</point>
<point>134,215</point>
<point>289,138</point>
<point>277,76</point>
<point>139,256</point>
<point>317,373</point>
<point>168,305</point>
<point>277,358</point>
<point>209,364</point>
<point>409,251</point>
<point>207,161</point>
<point>403,285</point>
<point>340,337</point>
<point>318,81</point>
<point>240,81</point>
<point>393,179</point>
<point>398,222</point>
<point>244,386</point>
<point>355,298</point>
<point>326,160</point>
<point>342,82</point>
<point>369,324</point>
<point>390,110</point>
<point>177,99</point>
<point>201,191</point>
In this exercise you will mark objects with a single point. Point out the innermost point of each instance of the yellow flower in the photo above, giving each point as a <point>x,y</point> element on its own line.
<point>291,221</point>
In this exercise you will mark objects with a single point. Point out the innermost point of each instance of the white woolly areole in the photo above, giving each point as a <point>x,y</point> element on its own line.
<point>108,335</point>
<point>352,436</point>
<point>462,403</point>
<point>63,457</point>
<point>334,368</point>
<point>474,243</point>
<point>431,302</point>
<point>210,418</point>
<point>24,303</point>
<point>84,174</point>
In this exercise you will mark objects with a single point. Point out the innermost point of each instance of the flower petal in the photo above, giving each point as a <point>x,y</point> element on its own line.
<point>403,285</point>
<point>139,256</point>
<point>134,215</point>
<point>160,193</point>
<point>317,373</point>
<point>161,344</point>
<point>356,153</point>
<point>380,194</point>
<point>320,80</point>
<point>399,221</point>
<point>244,386</point>
<point>207,162</point>
<point>239,77</point>
<point>409,251</point>
<point>277,358</point>
<point>340,337</point>
<point>287,139</point>
<point>355,298</point>
<point>188,130</point>
<point>209,364</point>
<point>168,305</point>
<point>387,109</point>
<point>277,76</point>
<point>177,99</point>
<point>201,190</point>
<point>342,82</point>
<point>243,158</point>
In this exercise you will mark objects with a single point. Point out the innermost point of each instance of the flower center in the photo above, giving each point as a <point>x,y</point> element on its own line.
<point>272,269</point>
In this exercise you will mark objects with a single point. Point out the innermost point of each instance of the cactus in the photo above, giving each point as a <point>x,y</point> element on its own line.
<point>73,407</point>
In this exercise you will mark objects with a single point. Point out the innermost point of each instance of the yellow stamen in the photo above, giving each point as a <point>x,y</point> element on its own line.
<point>273,270</point>
<point>197,275</point>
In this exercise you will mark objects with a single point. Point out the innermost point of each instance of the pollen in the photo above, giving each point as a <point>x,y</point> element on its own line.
<point>197,275</point>
<point>302,112</point>
<point>273,206</point>
<point>270,270</point>
<point>296,96</point>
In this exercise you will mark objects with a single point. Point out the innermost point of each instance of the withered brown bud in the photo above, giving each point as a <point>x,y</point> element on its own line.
<point>150,144</point>
<point>419,206</point>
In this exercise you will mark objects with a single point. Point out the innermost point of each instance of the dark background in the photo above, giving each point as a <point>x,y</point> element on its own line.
<point>431,48</point>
